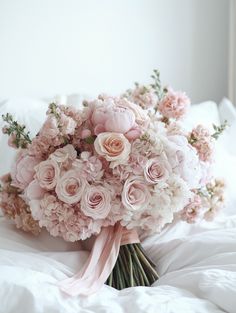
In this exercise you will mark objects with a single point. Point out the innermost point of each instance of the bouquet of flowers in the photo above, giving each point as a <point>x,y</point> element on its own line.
<point>121,168</point>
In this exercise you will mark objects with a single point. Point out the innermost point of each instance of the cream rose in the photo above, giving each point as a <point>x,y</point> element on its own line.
<point>70,187</point>
<point>135,194</point>
<point>113,147</point>
<point>96,202</point>
<point>47,173</point>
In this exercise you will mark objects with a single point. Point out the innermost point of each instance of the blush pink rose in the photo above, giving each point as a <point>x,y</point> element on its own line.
<point>135,194</point>
<point>34,191</point>
<point>155,171</point>
<point>23,170</point>
<point>174,104</point>
<point>47,174</point>
<point>70,187</point>
<point>113,147</point>
<point>96,202</point>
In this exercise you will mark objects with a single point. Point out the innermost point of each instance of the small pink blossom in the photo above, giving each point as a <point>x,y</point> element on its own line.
<point>89,166</point>
<point>144,96</point>
<point>85,133</point>
<point>50,128</point>
<point>202,141</point>
<point>67,125</point>
<point>191,211</point>
<point>12,141</point>
<point>174,104</point>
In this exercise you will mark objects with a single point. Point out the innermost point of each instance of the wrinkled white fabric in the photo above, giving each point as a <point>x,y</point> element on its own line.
<point>197,267</point>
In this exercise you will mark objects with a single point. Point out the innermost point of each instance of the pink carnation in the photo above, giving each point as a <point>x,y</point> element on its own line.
<point>174,104</point>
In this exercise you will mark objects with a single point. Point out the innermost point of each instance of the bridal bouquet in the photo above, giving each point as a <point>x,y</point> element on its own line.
<point>120,168</point>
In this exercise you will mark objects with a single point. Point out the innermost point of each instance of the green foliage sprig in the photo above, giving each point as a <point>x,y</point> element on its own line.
<point>157,86</point>
<point>20,136</point>
<point>219,130</point>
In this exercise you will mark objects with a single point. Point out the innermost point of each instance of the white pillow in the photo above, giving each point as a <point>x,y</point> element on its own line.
<point>29,112</point>
<point>227,111</point>
<point>205,113</point>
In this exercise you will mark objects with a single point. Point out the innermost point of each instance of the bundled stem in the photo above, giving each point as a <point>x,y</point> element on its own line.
<point>132,268</point>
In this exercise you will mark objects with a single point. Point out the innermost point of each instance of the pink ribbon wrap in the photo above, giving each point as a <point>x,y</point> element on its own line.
<point>101,261</point>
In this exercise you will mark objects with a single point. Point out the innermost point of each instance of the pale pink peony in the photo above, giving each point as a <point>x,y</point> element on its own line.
<point>135,194</point>
<point>47,174</point>
<point>113,147</point>
<point>156,171</point>
<point>174,104</point>
<point>112,119</point>
<point>96,202</point>
<point>70,187</point>
<point>141,117</point>
<point>23,171</point>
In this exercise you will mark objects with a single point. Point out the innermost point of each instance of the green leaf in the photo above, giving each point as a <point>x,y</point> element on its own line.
<point>90,140</point>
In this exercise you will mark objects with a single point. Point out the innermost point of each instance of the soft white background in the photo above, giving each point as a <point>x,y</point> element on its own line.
<point>50,47</point>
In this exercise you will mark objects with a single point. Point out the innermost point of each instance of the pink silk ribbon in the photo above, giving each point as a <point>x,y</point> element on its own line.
<point>101,261</point>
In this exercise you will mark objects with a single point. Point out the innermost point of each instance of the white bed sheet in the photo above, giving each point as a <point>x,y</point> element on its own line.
<point>197,267</point>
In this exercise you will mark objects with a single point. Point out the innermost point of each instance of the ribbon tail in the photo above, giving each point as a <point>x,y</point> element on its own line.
<point>99,264</point>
